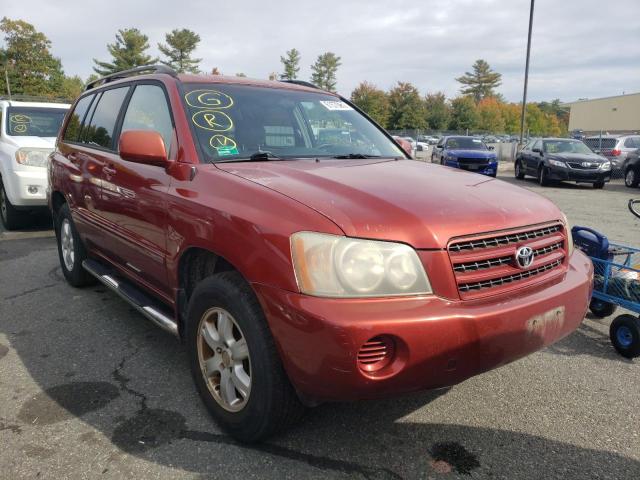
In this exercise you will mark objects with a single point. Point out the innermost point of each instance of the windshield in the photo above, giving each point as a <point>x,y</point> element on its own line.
<point>34,121</point>
<point>234,122</point>
<point>564,146</point>
<point>465,143</point>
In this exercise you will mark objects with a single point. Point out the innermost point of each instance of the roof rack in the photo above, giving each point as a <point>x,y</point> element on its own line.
<point>35,98</point>
<point>303,83</point>
<point>131,73</point>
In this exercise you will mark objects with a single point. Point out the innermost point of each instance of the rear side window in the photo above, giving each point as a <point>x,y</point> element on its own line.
<point>100,131</point>
<point>600,143</point>
<point>632,142</point>
<point>148,110</point>
<point>72,133</point>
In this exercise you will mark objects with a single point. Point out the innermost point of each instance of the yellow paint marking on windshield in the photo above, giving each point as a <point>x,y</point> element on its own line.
<point>208,99</point>
<point>213,120</point>
<point>221,141</point>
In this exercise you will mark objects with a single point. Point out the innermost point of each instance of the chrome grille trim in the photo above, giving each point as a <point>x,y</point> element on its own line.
<point>499,261</point>
<point>466,287</point>
<point>503,239</point>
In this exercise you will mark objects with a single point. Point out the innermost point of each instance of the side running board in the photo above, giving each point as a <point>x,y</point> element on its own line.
<point>138,299</point>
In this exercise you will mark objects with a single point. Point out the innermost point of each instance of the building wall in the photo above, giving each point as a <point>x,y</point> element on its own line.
<point>612,114</point>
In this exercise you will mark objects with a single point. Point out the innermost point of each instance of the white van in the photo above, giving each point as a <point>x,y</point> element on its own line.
<point>28,132</point>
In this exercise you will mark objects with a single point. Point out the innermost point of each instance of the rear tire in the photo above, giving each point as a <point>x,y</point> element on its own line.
<point>518,170</point>
<point>631,178</point>
<point>71,250</point>
<point>625,335</point>
<point>598,185</point>
<point>263,400</point>
<point>602,309</point>
<point>9,216</point>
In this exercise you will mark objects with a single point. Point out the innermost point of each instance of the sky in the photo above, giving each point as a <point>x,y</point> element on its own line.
<point>580,48</point>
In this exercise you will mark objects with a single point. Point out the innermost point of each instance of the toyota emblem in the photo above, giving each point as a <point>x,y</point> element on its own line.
<point>524,257</point>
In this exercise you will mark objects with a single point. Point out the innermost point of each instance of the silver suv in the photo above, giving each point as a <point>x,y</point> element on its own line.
<point>615,147</point>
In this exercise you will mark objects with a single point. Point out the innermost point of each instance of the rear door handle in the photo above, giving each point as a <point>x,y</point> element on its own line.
<point>73,158</point>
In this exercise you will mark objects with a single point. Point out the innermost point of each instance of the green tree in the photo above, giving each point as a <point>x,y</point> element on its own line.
<point>464,114</point>
<point>324,71</point>
<point>180,45</point>
<point>71,87</point>
<point>291,64</point>
<point>216,71</point>
<point>373,101</point>
<point>406,109</point>
<point>480,83</point>
<point>438,112</point>
<point>241,74</point>
<point>27,59</point>
<point>127,52</point>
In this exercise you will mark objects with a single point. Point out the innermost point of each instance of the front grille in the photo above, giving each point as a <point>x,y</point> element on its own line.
<point>496,262</point>
<point>578,166</point>
<point>503,239</point>
<point>486,264</point>
<point>472,161</point>
<point>465,287</point>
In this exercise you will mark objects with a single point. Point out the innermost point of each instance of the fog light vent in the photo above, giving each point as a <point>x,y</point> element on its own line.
<point>376,353</point>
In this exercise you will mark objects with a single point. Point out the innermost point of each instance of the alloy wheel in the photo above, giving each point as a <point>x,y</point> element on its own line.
<point>66,244</point>
<point>224,359</point>
<point>630,178</point>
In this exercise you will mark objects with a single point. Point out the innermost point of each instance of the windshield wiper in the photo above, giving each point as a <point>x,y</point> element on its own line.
<point>256,157</point>
<point>355,155</point>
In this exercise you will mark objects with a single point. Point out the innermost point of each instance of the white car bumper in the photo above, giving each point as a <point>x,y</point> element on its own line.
<point>27,188</point>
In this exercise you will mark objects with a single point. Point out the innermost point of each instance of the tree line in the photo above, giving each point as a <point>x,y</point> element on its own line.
<point>31,69</point>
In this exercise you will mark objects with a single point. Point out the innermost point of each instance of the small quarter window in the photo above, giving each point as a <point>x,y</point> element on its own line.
<point>72,133</point>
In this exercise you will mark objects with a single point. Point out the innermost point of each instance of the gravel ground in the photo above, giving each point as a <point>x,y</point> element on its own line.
<point>89,389</point>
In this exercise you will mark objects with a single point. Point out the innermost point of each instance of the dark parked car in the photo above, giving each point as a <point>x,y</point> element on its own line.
<point>466,153</point>
<point>566,159</point>
<point>632,169</point>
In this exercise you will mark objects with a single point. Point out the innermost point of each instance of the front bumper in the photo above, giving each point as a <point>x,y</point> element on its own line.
<point>581,176</point>
<point>439,342</point>
<point>27,188</point>
<point>491,168</point>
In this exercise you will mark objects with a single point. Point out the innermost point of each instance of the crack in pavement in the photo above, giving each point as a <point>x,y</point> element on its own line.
<point>150,428</point>
<point>30,291</point>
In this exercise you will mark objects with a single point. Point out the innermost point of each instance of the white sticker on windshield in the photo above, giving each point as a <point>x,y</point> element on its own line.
<point>335,105</point>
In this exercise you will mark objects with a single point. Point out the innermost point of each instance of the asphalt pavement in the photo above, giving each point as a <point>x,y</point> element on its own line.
<point>90,389</point>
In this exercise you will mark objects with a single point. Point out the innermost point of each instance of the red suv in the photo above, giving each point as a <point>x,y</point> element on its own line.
<point>296,250</point>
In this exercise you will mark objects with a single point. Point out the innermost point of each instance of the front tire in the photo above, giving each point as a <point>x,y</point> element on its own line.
<point>631,178</point>
<point>625,335</point>
<point>543,177</point>
<point>598,185</point>
<point>234,361</point>
<point>71,250</point>
<point>8,214</point>
<point>518,170</point>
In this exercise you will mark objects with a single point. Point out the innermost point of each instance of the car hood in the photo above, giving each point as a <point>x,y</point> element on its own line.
<point>471,153</point>
<point>421,204</point>
<point>32,142</point>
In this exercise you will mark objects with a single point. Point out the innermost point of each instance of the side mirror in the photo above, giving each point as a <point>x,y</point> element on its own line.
<point>438,146</point>
<point>143,146</point>
<point>536,150</point>
<point>491,147</point>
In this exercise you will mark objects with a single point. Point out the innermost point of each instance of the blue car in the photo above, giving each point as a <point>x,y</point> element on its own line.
<point>466,153</point>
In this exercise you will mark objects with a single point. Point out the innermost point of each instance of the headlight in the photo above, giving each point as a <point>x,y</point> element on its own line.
<point>33,157</point>
<point>567,228</point>
<point>605,166</point>
<point>557,163</point>
<point>449,158</point>
<point>335,266</point>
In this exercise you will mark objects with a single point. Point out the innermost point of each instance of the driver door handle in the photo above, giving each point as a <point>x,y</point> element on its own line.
<point>109,170</point>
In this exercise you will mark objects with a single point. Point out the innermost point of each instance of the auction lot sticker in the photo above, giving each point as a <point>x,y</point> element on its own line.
<point>335,105</point>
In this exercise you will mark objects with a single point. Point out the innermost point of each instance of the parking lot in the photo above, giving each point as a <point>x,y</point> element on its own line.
<point>88,388</point>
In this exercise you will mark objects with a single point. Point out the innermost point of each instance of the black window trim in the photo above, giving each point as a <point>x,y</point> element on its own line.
<point>125,106</point>
<point>96,101</point>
